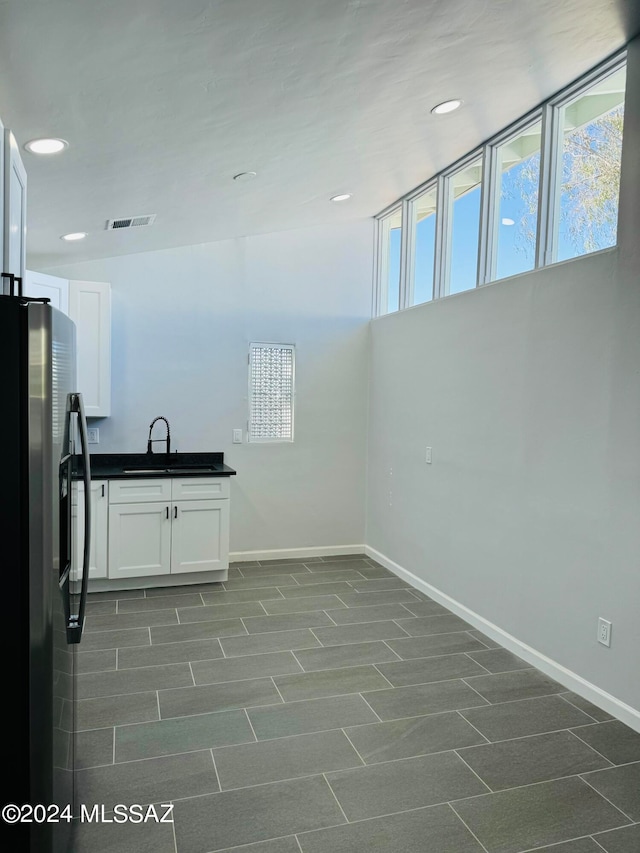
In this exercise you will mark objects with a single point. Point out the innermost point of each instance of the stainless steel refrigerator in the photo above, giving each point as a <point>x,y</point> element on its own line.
<point>43,446</point>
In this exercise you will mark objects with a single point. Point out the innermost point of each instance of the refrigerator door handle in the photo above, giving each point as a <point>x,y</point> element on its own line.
<point>76,622</point>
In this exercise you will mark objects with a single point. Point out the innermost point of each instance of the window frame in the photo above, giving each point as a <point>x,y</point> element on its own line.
<point>381,260</point>
<point>556,105</point>
<point>488,264</point>
<point>410,243</point>
<point>460,165</point>
<point>549,113</point>
<point>272,345</point>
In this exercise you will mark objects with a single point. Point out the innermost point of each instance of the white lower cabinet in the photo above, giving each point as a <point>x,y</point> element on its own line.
<point>139,540</point>
<point>163,536</point>
<point>99,526</point>
<point>200,536</point>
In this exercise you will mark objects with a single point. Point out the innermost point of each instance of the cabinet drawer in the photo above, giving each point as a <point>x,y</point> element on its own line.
<point>200,488</point>
<point>139,491</point>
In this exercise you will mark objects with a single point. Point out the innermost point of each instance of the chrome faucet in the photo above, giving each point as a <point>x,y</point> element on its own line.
<point>151,441</point>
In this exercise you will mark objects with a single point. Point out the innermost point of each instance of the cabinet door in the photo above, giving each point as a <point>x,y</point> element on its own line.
<point>15,208</point>
<point>51,287</point>
<point>199,536</point>
<point>90,309</point>
<point>139,540</point>
<point>99,522</point>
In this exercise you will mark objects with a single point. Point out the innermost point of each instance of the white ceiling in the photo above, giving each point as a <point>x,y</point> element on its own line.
<point>163,101</point>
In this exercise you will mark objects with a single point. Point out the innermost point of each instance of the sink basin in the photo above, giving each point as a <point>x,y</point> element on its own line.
<point>192,469</point>
<point>182,469</point>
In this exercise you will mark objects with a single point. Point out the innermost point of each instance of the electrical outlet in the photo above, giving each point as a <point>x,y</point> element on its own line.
<point>93,435</point>
<point>237,436</point>
<point>427,457</point>
<point>604,631</point>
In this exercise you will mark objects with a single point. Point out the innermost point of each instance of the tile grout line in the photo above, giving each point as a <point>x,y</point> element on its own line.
<point>113,757</point>
<point>611,803</point>
<point>324,776</point>
<point>159,712</point>
<point>478,777</point>
<point>344,732</point>
<point>278,689</point>
<point>315,638</point>
<point>298,843</point>
<point>215,767</point>
<point>593,749</point>
<point>484,698</point>
<point>569,702</point>
<point>305,672</point>
<point>173,830</point>
<point>486,647</point>
<point>293,653</point>
<point>193,678</point>
<point>466,654</point>
<point>330,617</point>
<point>462,717</point>
<point>468,828</point>
<point>385,642</point>
<point>253,731</point>
<point>373,709</point>
<point>375,666</point>
<point>577,838</point>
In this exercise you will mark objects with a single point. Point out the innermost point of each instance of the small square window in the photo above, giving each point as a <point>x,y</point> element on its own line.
<point>271,392</point>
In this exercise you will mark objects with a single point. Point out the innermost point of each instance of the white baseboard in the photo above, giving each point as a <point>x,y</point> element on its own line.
<point>555,670</point>
<point>295,553</point>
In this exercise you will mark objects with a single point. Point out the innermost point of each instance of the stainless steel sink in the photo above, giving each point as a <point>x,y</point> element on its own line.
<point>192,469</point>
<point>186,469</point>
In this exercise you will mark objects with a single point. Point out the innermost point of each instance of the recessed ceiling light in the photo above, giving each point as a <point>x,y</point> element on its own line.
<point>244,176</point>
<point>46,146</point>
<point>447,107</point>
<point>77,235</point>
<point>341,197</point>
<point>507,221</point>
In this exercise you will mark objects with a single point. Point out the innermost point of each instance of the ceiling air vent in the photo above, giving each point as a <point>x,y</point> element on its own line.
<point>130,222</point>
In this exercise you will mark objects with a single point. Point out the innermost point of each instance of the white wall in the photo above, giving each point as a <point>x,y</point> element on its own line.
<point>182,322</point>
<point>528,390</point>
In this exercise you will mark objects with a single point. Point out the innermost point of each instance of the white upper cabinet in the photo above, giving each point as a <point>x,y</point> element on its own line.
<point>51,287</point>
<point>90,309</point>
<point>15,209</point>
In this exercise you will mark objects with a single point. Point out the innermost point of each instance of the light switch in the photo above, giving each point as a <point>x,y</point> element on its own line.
<point>237,436</point>
<point>427,457</point>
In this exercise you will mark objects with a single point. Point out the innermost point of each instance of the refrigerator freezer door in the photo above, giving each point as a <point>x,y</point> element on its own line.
<point>63,381</point>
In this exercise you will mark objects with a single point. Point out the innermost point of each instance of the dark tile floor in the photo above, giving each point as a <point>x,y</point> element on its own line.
<point>327,707</point>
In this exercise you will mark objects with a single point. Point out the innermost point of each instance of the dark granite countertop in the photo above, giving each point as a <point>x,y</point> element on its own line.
<point>117,466</point>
